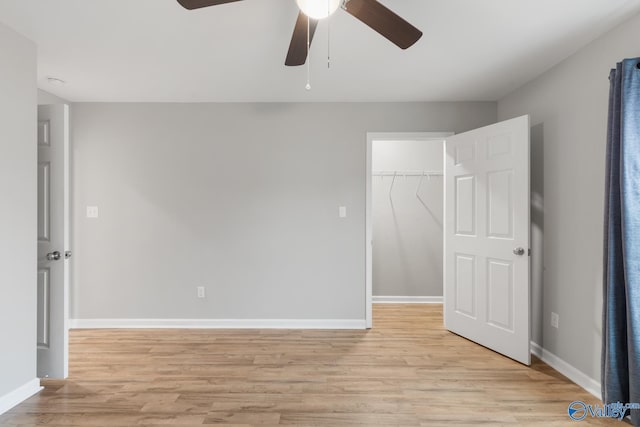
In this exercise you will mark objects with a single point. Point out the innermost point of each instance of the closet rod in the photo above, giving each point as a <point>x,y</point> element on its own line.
<point>407,173</point>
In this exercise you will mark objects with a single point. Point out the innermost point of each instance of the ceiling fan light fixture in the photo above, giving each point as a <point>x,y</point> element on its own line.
<point>318,9</point>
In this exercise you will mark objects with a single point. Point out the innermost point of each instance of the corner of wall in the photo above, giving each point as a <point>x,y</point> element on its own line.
<point>19,395</point>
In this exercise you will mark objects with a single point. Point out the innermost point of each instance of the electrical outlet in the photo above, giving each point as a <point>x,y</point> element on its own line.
<point>92,212</point>
<point>200,291</point>
<point>555,320</point>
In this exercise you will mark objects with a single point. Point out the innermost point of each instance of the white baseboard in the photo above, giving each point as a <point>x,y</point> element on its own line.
<point>379,299</point>
<point>574,374</point>
<point>19,395</point>
<point>217,324</point>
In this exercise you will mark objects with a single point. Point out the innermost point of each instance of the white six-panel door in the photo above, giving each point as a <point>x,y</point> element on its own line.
<point>53,241</point>
<point>486,237</point>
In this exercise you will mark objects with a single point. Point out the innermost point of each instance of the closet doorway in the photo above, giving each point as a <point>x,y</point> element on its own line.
<point>485,211</point>
<point>405,184</point>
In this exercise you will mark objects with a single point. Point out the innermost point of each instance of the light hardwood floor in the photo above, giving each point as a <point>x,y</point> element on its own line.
<point>406,371</point>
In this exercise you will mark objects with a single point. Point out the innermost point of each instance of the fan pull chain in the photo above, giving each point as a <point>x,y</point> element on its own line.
<point>308,87</point>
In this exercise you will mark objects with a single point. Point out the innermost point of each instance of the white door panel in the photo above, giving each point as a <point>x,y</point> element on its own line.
<point>53,241</point>
<point>486,220</point>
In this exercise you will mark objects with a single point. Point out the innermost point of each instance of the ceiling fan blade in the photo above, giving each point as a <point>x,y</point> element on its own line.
<point>197,4</point>
<point>297,54</point>
<point>384,21</point>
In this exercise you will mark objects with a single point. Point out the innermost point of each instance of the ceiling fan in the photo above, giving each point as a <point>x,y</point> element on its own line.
<point>371,12</point>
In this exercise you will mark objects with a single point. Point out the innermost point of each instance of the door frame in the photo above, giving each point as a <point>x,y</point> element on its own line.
<point>368,244</point>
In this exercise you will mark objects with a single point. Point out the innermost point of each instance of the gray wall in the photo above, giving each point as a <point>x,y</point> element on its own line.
<point>18,212</point>
<point>45,97</point>
<point>568,107</point>
<point>240,198</point>
<point>407,230</point>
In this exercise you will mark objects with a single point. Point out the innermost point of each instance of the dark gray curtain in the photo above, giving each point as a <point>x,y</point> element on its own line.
<point>621,305</point>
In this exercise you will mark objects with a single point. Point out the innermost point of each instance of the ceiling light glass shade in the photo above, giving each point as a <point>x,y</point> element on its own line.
<point>318,9</point>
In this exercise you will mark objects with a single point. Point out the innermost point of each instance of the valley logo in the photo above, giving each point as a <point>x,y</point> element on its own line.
<point>579,410</point>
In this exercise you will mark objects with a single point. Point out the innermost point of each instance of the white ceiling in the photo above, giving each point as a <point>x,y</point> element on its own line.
<point>154,50</point>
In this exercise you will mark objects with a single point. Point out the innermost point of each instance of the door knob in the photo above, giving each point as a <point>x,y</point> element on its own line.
<point>519,251</point>
<point>54,256</point>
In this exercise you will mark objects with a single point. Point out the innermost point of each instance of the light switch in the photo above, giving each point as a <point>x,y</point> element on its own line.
<point>92,212</point>
<point>342,211</point>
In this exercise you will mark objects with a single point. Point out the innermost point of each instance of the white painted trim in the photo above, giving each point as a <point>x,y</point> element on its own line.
<point>64,328</point>
<point>217,324</point>
<point>19,395</point>
<point>368,237</point>
<point>574,374</point>
<point>407,136</point>
<point>381,299</point>
<point>368,221</point>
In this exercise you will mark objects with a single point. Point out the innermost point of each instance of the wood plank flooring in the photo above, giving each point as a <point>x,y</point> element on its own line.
<point>406,371</point>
